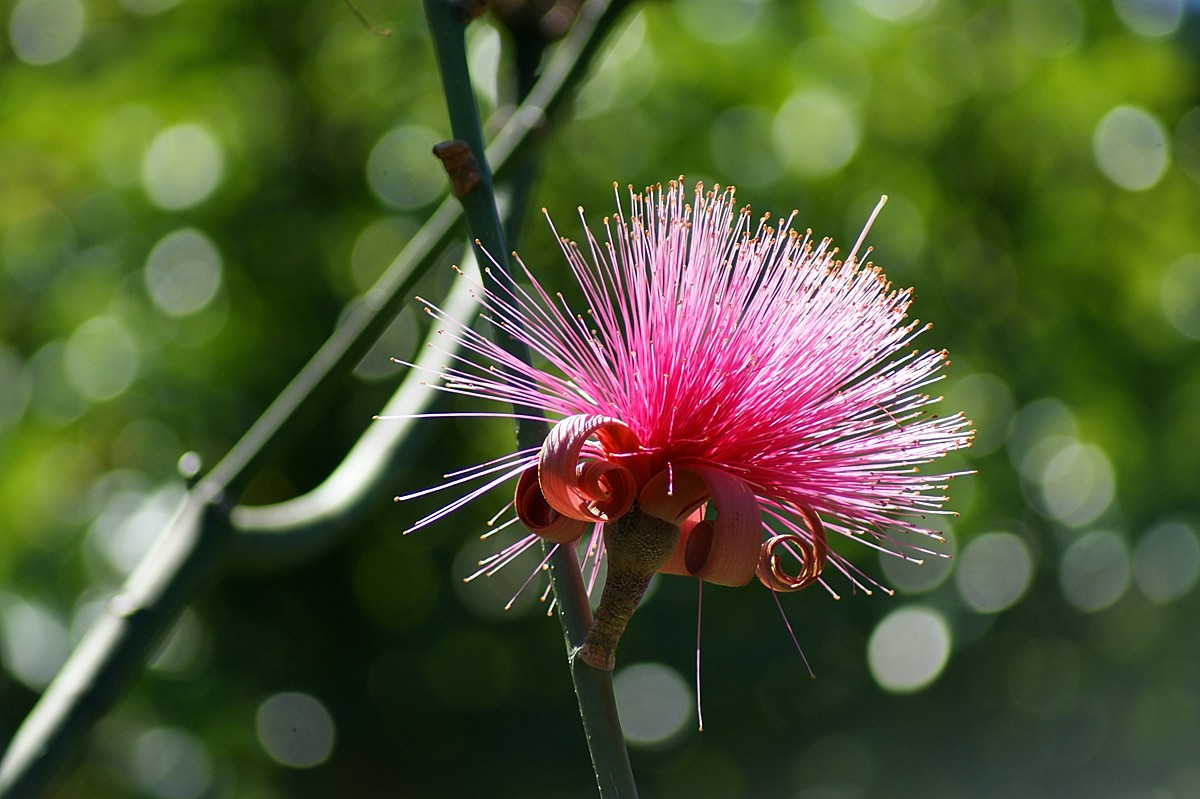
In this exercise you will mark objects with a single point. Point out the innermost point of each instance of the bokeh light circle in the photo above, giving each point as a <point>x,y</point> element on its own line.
<point>45,31</point>
<point>170,763</point>
<point>994,571</point>
<point>1150,18</point>
<point>920,572</point>
<point>182,167</point>
<point>908,649</point>
<point>1179,295</point>
<point>654,703</point>
<point>52,396</point>
<point>183,272</point>
<point>1131,148</point>
<point>130,520</point>
<point>34,642</point>
<point>987,401</point>
<point>402,170</point>
<point>295,729</point>
<point>1095,571</point>
<point>101,358</point>
<point>1033,424</point>
<point>815,133</point>
<point>1166,562</point>
<point>1077,484</point>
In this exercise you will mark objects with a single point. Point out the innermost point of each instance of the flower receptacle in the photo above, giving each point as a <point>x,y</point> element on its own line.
<point>637,544</point>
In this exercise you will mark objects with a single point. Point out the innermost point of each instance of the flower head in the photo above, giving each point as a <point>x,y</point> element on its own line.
<point>731,379</point>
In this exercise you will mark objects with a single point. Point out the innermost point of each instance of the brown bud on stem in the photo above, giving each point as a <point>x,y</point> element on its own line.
<point>460,164</point>
<point>637,545</point>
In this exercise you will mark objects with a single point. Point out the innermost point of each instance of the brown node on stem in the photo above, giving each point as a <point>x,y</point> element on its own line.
<point>460,164</point>
<point>637,545</point>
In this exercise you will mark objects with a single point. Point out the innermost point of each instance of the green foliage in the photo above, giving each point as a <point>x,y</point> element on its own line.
<point>1055,250</point>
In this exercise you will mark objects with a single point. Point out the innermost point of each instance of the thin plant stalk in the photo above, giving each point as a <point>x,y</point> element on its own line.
<point>593,687</point>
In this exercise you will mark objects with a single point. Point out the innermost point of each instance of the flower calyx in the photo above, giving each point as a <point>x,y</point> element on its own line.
<point>637,545</point>
<point>592,470</point>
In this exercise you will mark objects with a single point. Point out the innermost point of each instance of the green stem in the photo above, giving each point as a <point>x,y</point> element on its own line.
<point>278,536</point>
<point>593,687</point>
<point>114,649</point>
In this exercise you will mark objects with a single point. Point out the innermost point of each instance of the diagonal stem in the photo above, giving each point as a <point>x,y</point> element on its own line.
<point>197,544</point>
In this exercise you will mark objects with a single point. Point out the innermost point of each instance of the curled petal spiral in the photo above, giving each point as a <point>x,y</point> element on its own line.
<point>810,551</point>
<point>594,490</point>
<point>537,515</point>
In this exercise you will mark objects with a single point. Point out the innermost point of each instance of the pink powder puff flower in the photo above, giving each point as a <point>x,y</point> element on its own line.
<point>732,392</point>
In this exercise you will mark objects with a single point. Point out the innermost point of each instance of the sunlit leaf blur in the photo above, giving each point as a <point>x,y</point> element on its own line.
<point>192,190</point>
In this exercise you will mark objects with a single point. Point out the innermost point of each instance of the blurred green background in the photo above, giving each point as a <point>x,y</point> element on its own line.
<point>191,191</point>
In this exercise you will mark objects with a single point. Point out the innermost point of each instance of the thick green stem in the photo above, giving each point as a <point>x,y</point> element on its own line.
<point>114,649</point>
<point>637,545</point>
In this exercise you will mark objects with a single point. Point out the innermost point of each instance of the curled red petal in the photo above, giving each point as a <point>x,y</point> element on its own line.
<point>677,563</point>
<point>724,550</point>
<point>811,551</point>
<point>537,515</point>
<point>593,490</point>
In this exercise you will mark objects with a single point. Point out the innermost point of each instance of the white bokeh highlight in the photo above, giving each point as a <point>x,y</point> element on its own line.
<point>183,272</point>
<point>1131,148</point>
<point>34,642</point>
<point>1179,295</point>
<point>295,729</point>
<point>654,703</point>
<point>101,358</point>
<point>994,571</point>
<point>182,167</point>
<point>908,649</point>
<point>402,171</point>
<point>815,133</point>
<point>171,763</point>
<point>1150,18</point>
<point>1166,562</point>
<point>1077,484</point>
<point>45,31</point>
<point>1095,571</point>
